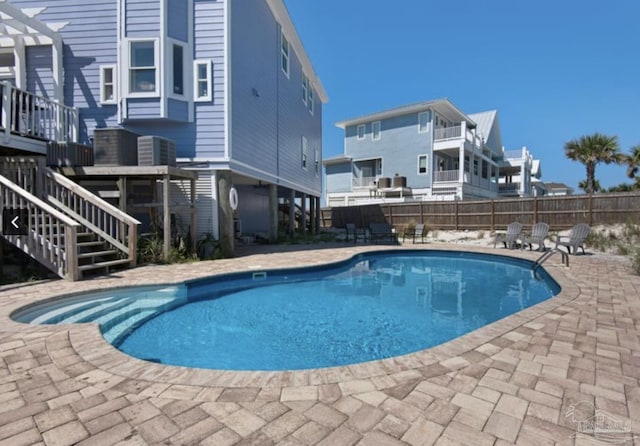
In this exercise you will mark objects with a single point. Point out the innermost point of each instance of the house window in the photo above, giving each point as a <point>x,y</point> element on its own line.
<point>178,70</point>
<point>108,84</point>
<point>466,164</point>
<point>143,68</point>
<point>310,102</point>
<point>422,164</point>
<point>305,152</point>
<point>202,80</point>
<point>7,60</point>
<point>284,63</point>
<point>305,88</point>
<point>475,167</point>
<point>375,130</point>
<point>361,129</point>
<point>423,122</point>
<point>485,169</point>
<point>317,162</point>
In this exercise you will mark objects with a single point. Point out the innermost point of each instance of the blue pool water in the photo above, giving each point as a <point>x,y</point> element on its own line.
<point>374,306</point>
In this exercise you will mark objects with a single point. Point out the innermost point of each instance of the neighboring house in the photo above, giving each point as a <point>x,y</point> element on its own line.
<point>425,151</point>
<point>520,174</point>
<point>557,189</point>
<point>228,81</point>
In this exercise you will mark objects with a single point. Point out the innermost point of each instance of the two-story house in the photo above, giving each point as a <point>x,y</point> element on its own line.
<point>229,82</point>
<point>520,174</point>
<point>425,151</point>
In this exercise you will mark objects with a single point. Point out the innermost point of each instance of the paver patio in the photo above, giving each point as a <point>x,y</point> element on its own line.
<point>540,377</point>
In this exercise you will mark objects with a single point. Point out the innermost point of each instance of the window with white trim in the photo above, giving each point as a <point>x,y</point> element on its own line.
<point>284,55</point>
<point>423,122</point>
<point>202,80</point>
<point>317,162</point>
<point>361,131</point>
<point>375,130</point>
<point>305,88</point>
<point>143,67</point>
<point>108,94</point>
<point>178,69</point>
<point>305,152</point>
<point>310,102</point>
<point>422,164</point>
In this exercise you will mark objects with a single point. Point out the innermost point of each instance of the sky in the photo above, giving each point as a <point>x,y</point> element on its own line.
<point>554,69</point>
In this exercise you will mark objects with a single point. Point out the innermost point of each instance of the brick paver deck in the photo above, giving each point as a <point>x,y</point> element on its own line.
<point>540,377</point>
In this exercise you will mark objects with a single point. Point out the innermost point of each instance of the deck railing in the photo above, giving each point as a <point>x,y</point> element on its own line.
<point>106,221</point>
<point>446,175</point>
<point>454,132</point>
<point>51,236</point>
<point>27,114</point>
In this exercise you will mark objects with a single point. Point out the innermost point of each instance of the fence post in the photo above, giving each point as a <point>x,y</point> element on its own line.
<point>590,208</point>
<point>390,211</point>
<point>421,212</point>
<point>493,215</point>
<point>456,212</point>
<point>535,210</point>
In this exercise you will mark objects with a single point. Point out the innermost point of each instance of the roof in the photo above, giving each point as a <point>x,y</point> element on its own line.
<point>557,186</point>
<point>338,159</point>
<point>281,14</point>
<point>444,106</point>
<point>485,122</point>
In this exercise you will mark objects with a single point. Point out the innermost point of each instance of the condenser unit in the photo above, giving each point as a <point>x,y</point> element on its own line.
<point>156,151</point>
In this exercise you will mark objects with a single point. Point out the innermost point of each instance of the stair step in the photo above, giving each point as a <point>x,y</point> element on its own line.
<point>103,264</point>
<point>85,255</point>
<point>88,244</point>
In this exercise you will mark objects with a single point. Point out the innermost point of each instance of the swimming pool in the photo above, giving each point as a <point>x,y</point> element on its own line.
<point>373,306</point>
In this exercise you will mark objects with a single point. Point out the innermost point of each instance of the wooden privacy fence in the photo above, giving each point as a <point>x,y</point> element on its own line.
<point>559,212</point>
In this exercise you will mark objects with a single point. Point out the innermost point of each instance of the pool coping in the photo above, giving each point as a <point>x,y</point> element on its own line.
<point>81,347</point>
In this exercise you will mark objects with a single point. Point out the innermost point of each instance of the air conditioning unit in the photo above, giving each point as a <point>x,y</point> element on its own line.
<point>156,151</point>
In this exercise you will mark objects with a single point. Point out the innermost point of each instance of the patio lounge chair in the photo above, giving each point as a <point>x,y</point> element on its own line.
<point>353,231</point>
<point>382,231</point>
<point>575,239</point>
<point>539,232</point>
<point>418,232</point>
<point>510,237</point>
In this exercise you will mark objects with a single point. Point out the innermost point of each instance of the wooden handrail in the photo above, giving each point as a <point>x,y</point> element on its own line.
<point>51,235</point>
<point>32,115</point>
<point>107,221</point>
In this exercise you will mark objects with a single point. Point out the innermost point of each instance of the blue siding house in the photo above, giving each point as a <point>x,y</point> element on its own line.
<point>419,152</point>
<point>228,81</point>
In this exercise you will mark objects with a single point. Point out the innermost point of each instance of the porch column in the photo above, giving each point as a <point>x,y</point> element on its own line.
<point>303,216</point>
<point>461,164</point>
<point>273,213</point>
<point>292,212</point>
<point>312,215</point>
<point>166,217</point>
<point>227,237</point>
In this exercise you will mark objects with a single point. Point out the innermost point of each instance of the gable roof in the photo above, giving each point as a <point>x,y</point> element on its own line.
<point>444,106</point>
<point>488,126</point>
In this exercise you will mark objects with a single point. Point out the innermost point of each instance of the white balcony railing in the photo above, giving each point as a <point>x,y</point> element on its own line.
<point>365,182</point>
<point>446,175</point>
<point>447,133</point>
<point>27,114</point>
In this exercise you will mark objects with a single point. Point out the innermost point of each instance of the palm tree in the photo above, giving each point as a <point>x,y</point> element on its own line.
<point>584,184</point>
<point>591,150</point>
<point>633,162</point>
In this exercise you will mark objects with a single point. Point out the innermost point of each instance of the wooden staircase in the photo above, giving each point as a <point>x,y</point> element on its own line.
<point>70,230</point>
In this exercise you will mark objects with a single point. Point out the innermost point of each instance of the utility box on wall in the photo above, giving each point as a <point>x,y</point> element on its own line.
<point>156,151</point>
<point>115,147</point>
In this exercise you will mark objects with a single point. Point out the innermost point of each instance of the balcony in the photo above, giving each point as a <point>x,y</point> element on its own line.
<point>28,121</point>
<point>452,137</point>
<point>363,182</point>
<point>446,176</point>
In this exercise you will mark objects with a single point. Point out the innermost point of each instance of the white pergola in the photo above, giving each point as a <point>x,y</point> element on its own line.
<point>20,28</point>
